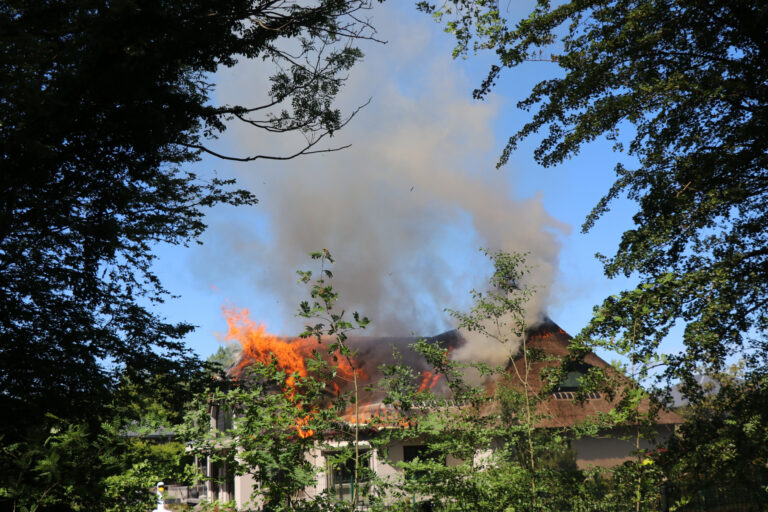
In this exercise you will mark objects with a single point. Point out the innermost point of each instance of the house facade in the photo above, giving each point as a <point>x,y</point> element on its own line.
<point>608,448</point>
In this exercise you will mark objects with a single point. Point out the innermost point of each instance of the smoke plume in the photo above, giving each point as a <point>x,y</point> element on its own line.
<point>404,210</point>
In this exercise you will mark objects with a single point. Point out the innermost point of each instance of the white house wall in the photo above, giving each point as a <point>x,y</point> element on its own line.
<point>612,450</point>
<point>605,451</point>
<point>384,466</point>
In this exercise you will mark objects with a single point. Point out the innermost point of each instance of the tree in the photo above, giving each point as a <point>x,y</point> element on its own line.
<point>484,447</point>
<point>280,415</point>
<point>267,436</point>
<point>722,445</point>
<point>104,104</point>
<point>685,82</point>
<point>327,321</point>
<point>61,464</point>
<point>681,86</point>
<point>224,357</point>
<point>499,315</point>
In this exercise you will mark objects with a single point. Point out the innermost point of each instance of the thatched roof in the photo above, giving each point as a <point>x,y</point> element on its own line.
<point>560,410</point>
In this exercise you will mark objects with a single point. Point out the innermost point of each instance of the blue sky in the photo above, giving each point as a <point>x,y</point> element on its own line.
<point>406,209</point>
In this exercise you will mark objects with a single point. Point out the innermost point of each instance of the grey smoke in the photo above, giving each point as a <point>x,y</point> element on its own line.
<point>404,210</point>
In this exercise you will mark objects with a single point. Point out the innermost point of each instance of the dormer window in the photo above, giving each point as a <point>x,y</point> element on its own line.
<point>571,382</point>
<point>568,387</point>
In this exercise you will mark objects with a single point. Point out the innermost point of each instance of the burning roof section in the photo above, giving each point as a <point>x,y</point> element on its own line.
<point>372,352</point>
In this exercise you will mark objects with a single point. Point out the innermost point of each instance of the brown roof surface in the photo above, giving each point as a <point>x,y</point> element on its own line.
<point>547,336</point>
<point>560,410</point>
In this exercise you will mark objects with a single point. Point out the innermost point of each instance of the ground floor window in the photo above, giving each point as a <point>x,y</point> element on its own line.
<point>340,471</point>
<point>423,454</point>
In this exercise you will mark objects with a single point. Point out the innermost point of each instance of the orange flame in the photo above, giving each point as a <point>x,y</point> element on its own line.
<point>365,413</point>
<point>260,347</point>
<point>301,423</point>
<point>289,355</point>
<point>428,380</point>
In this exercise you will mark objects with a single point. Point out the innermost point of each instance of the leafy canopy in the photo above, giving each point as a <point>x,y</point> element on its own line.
<point>104,105</point>
<point>681,85</point>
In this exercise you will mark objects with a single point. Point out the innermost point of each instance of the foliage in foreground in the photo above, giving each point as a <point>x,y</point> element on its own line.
<point>62,465</point>
<point>723,444</point>
<point>105,105</point>
<point>476,450</point>
<point>278,418</point>
<point>489,451</point>
<point>681,86</point>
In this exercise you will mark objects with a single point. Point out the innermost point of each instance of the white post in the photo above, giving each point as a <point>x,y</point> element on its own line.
<point>160,500</point>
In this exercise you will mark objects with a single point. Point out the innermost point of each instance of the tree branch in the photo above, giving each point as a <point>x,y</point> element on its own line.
<point>304,151</point>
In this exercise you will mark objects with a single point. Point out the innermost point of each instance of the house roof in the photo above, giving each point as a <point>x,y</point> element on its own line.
<point>561,410</point>
<point>134,429</point>
<point>547,336</point>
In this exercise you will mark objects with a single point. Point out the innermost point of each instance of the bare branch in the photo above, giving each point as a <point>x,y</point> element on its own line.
<point>304,151</point>
<point>278,29</point>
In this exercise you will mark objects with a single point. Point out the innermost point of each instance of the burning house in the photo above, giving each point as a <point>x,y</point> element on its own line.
<point>608,449</point>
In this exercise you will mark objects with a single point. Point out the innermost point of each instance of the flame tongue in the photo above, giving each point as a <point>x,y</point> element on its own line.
<point>428,380</point>
<point>258,346</point>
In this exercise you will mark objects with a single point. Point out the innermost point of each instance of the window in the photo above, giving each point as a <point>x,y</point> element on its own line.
<point>571,382</point>
<point>567,388</point>
<point>411,453</point>
<point>222,418</point>
<point>340,472</point>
